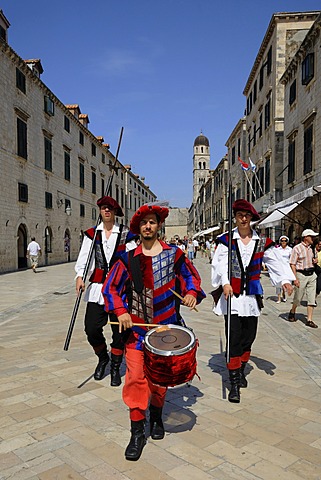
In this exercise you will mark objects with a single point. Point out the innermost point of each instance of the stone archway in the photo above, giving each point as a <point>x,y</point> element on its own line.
<point>22,246</point>
<point>48,240</point>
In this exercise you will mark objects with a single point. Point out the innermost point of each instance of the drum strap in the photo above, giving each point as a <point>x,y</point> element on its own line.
<point>137,277</point>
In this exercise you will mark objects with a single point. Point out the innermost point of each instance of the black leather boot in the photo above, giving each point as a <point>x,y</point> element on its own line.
<point>115,378</point>
<point>234,395</point>
<point>102,364</point>
<point>137,441</point>
<point>243,381</point>
<point>157,431</point>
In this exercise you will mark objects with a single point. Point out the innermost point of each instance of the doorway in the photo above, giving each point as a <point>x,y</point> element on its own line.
<point>22,246</point>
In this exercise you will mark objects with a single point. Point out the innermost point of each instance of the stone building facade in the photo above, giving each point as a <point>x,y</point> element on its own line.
<point>265,104</point>
<point>53,169</point>
<point>176,223</point>
<point>301,180</point>
<point>280,133</point>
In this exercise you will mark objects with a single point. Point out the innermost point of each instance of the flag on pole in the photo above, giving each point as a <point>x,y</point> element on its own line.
<point>245,166</point>
<point>252,165</point>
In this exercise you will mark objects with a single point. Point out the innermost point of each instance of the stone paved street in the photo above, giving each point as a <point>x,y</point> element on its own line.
<point>55,425</point>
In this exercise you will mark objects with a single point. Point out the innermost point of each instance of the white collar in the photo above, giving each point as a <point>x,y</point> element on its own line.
<point>236,235</point>
<point>115,228</point>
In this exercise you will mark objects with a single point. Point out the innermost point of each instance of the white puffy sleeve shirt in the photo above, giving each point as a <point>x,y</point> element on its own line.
<point>245,305</point>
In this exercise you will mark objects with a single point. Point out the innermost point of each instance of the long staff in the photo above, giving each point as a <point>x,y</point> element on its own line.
<point>229,269</point>
<point>77,303</point>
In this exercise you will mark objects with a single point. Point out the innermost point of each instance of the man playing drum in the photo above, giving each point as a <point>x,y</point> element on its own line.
<point>138,289</point>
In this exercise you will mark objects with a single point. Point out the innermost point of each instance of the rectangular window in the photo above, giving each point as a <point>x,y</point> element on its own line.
<point>260,129</point>
<point>261,79</point>
<point>66,124</point>
<point>81,175</point>
<point>260,186</point>
<point>93,182</point>
<point>48,200</point>
<point>308,149</point>
<point>291,161</point>
<point>292,95</point>
<point>254,134</point>
<point>49,106</point>
<point>117,193</point>
<point>249,143</point>
<point>233,155</point>
<point>93,149</point>
<point>102,187</point>
<point>267,113</point>
<point>267,175</point>
<point>81,138</point>
<point>48,154</point>
<point>82,210</point>
<point>238,147</point>
<point>255,92</point>
<point>308,69</point>
<point>22,138</point>
<point>103,158</point>
<point>93,214</point>
<point>20,81</point>
<point>23,192</point>
<point>269,62</point>
<point>67,166</point>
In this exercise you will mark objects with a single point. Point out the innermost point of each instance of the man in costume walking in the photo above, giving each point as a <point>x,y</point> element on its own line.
<point>161,267</point>
<point>248,251</point>
<point>112,239</point>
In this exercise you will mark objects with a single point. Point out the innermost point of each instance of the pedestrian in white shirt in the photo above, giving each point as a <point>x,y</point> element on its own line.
<point>284,253</point>
<point>33,253</point>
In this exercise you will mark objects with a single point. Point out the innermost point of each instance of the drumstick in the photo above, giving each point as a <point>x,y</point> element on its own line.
<point>179,296</point>
<point>150,325</point>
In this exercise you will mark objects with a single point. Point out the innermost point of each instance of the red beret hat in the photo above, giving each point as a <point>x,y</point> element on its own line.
<point>242,205</point>
<point>110,203</point>
<point>161,212</point>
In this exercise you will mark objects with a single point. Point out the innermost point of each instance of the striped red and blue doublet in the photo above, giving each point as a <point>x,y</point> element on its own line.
<point>168,270</point>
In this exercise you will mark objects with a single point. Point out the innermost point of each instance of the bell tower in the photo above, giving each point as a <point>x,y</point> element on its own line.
<point>201,163</point>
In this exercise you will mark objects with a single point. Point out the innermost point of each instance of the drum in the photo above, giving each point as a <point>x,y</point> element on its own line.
<point>170,355</point>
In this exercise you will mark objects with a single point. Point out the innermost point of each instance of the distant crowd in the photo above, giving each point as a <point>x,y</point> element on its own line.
<point>191,247</point>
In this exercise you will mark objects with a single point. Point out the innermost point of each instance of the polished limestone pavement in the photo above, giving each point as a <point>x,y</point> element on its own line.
<point>57,423</point>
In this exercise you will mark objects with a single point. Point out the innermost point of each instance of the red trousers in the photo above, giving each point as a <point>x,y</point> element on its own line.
<point>138,390</point>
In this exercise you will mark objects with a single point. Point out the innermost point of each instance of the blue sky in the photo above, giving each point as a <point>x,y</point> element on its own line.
<point>162,69</point>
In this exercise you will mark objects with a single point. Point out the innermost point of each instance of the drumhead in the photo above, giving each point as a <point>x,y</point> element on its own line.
<point>168,340</point>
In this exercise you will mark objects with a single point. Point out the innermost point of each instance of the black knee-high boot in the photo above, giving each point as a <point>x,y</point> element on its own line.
<point>234,395</point>
<point>115,378</point>
<point>243,381</point>
<point>137,440</point>
<point>102,364</point>
<point>157,431</point>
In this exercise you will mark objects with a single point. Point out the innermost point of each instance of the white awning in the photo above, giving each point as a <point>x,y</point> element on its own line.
<point>212,229</point>
<point>275,217</point>
<point>295,199</point>
<point>207,231</point>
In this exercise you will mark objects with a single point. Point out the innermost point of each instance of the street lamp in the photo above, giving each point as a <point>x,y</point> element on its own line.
<point>68,210</point>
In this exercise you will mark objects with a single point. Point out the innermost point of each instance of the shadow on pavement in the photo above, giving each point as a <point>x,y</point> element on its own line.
<point>177,417</point>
